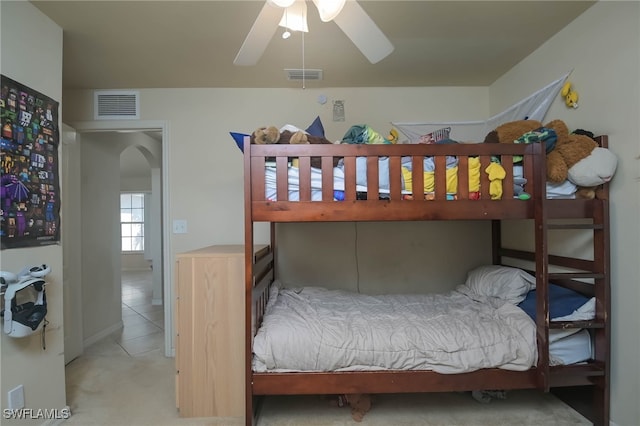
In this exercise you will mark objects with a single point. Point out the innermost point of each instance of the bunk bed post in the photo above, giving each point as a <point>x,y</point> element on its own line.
<point>248,277</point>
<point>602,336</point>
<point>541,265</point>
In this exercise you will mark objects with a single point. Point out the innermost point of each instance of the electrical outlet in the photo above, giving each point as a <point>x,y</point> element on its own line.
<point>15,398</point>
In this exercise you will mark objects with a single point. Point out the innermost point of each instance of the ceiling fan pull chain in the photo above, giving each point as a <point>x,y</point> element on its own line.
<point>303,76</point>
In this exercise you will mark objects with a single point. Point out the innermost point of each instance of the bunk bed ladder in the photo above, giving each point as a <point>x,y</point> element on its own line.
<point>597,273</point>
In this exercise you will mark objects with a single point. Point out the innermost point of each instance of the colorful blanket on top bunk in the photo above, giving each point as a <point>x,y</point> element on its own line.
<point>494,171</point>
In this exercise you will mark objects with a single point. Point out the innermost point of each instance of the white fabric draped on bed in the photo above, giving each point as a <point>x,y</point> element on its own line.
<point>315,329</point>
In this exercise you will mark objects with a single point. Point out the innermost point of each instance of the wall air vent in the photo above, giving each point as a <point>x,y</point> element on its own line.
<point>116,105</point>
<point>303,74</point>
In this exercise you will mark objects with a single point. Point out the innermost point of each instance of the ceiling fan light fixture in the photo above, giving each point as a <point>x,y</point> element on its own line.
<point>294,17</point>
<point>281,3</point>
<point>329,9</point>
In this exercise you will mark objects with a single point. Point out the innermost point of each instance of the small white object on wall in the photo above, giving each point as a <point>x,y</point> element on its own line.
<point>338,110</point>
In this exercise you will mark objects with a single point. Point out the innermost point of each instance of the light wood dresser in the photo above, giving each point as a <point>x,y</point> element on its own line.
<point>210,366</point>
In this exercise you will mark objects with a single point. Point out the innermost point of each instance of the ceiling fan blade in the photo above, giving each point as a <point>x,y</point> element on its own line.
<point>259,36</point>
<point>363,32</point>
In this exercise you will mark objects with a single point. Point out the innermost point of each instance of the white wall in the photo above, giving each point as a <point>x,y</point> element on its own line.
<point>31,53</point>
<point>602,47</point>
<point>101,262</point>
<point>205,170</point>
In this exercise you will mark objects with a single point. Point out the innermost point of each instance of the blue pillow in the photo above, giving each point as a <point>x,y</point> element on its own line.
<point>239,138</point>
<point>562,301</point>
<point>316,128</point>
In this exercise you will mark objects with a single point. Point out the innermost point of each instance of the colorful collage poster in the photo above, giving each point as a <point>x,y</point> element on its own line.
<point>30,202</point>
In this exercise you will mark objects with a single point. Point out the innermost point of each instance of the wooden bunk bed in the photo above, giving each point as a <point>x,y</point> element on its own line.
<point>590,277</point>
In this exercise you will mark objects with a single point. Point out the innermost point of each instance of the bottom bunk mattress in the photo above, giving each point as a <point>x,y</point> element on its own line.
<point>315,329</point>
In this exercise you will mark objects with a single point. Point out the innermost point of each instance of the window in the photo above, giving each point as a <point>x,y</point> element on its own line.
<point>132,221</point>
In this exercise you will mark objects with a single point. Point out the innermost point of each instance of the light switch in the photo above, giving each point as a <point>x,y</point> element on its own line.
<point>179,226</point>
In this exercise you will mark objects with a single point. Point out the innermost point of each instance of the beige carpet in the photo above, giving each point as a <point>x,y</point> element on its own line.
<point>139,391</point>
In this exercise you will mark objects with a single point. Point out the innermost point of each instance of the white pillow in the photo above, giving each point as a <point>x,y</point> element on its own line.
<point>502,282</point>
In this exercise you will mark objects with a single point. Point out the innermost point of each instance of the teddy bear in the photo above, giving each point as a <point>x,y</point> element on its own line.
<point>360,404</point>
<point>578,158</point>
<point>573,156</point>
<point>271,135</point>
<point>511,131</point>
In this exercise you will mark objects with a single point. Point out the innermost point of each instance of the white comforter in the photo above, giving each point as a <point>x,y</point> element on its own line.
<point>315,329</point>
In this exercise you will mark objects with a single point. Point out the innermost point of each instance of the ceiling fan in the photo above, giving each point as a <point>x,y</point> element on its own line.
<point>347,14</point>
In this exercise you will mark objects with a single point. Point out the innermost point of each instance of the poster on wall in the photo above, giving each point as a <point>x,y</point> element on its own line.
<point>30,202</point>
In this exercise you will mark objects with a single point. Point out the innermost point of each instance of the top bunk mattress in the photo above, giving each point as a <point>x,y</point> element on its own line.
<point>563,190</point>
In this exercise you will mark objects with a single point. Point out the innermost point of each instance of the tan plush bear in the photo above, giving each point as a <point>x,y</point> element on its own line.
<point>579,159</point>
<point>509,132</point>
<point>568,151</point>
<point>575,157</point>
<point>360,404</point>
<point>271,135</point>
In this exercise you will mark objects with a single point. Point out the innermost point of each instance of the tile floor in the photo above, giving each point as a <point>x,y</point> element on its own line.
<point>125,380</point>
<point>143,330</point>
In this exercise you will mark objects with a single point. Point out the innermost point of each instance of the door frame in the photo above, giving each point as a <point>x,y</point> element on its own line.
<point>167,263</point>
<point>71,272</point>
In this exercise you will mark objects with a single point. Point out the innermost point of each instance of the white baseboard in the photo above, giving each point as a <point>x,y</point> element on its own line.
<point>102,334</point>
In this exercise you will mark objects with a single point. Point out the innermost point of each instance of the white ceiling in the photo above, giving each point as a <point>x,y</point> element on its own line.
<point>148,44</point>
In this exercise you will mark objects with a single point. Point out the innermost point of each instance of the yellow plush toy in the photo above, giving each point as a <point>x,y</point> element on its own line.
<point>570,95</point>
<point>496,174</point>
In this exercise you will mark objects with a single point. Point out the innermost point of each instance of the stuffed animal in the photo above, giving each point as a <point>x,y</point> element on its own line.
<point>573,156</point>
<point>570,95</point>
<point>360,404</point>
<point>578,158</point>
<point>511,131</point>
<point>271,135</point>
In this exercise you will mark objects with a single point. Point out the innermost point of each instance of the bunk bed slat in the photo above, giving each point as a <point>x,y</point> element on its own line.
<point>282,178</point>
<point>463,177</point>
<point>327,178</point>
<point>395,184</point>
<point>417,178</point>
<point>304,170</point>
<point>440,181</point>
<point>349,178</point>
<point>372,178</point>
<point>507,182</point>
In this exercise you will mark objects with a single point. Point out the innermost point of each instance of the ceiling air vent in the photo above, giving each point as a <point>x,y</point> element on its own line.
<point>303,74</point>
<point>116,105</point>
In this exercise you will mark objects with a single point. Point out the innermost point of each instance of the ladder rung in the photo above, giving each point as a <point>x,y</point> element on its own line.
<point>572,275</point>
<point>575,226</point>
<point>563,325</point>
